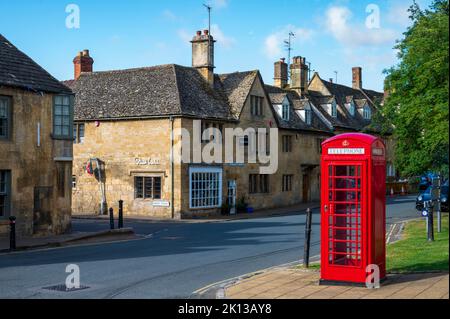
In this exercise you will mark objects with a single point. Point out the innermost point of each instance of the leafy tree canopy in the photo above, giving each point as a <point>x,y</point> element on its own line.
<point>417,106</point>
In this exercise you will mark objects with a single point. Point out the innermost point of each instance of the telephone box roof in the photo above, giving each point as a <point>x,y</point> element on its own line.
<point>365,138</point>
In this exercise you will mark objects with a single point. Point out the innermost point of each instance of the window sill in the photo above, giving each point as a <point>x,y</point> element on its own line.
<point>204,208</point>
<point>61,138</point>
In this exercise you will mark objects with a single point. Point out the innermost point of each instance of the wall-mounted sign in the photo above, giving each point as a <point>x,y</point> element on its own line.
<point>346,151</point>
<point>161,203</point>
<point>147,161</point>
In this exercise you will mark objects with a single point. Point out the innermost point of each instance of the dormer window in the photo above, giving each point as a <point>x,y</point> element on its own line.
<point>285,111</point>
<point>351,109</point>
<point>308,116</point>
<point>333,109</point>
<point>367,113</point>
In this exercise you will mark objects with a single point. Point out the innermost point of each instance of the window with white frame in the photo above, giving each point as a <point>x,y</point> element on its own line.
<point>205,185</point>
<point>367,113</point>
<point>285,111</point>
<point>352,109</point>
<point>308,116</point>
<point>333,109</point>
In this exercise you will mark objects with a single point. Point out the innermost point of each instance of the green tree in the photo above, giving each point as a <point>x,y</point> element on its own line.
<point>417,106</point>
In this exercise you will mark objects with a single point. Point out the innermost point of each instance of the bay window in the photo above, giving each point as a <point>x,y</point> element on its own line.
<point>62,116</point>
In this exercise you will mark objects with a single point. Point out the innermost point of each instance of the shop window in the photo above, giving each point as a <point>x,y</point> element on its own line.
<point>205,187</point>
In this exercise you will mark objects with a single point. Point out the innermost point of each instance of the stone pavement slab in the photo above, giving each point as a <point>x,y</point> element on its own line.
<point>293,283</point>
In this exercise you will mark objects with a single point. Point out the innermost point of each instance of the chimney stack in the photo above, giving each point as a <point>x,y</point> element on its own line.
<point>82,63</point>
<point>357,78</point>
<point>281,74</point>
<point>203,55</point>
<point>299,75</point>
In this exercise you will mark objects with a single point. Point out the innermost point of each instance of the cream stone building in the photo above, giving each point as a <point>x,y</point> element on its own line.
<point>36,114</point>
<point>127,147</point>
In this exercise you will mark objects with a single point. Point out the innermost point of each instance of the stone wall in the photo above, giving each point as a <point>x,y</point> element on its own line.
<point>37,180</point>
<point>128,149</point>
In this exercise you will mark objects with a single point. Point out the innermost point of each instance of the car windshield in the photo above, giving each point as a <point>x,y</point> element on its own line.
<point>428,190</point>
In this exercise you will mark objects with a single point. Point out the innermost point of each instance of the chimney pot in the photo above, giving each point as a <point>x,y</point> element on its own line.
<point>283,60</point>
<point>199,33</point>
<point>206,32</point>
<point>82,63</point>
<point>331,80</point>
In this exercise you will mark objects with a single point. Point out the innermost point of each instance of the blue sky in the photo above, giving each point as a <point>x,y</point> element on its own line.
<point>332,35</point>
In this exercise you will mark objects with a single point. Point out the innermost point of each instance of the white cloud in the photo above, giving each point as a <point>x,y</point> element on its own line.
<point>398,14</point>
<point>219,4</point>
<point>337,23</point>
<point>274,46</point>
<point>222,40</point>
<point>185,36</point>
<point>169,15</point>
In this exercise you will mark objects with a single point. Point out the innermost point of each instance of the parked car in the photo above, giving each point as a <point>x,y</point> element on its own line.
<point>424,184</point>
<point>426,196</point>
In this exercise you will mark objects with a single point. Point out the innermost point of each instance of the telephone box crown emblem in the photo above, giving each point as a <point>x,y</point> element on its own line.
<point>345,143</point>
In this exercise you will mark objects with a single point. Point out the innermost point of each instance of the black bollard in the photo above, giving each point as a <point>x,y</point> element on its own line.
<point>12,234</point>
<point>307,237</point>
<point>120,223</point>
<point>111,218</point>
<point>430,225</point>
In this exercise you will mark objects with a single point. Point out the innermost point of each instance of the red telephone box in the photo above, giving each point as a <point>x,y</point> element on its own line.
<point>353,208</point>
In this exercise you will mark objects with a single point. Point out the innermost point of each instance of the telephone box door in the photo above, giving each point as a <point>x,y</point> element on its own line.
<point>344,214</point>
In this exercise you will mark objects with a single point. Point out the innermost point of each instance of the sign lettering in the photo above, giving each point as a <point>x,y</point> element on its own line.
<point>346,151</point>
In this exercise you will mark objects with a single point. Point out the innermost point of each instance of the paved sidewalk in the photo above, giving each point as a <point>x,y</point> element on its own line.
<point>294,209</point>
<point>24,243</point>
<point>303,284</point>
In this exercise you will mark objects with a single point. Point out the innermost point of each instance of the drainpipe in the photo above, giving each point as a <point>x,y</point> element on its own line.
<point>172,207</point>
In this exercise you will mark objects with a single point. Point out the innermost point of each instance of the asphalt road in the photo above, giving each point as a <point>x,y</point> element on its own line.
<point>171,260</point>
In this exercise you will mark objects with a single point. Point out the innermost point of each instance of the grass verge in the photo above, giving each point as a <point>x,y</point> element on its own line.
<point>414,253</point>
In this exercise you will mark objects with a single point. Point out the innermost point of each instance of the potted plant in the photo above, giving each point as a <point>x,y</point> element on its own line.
<point>241,205</point>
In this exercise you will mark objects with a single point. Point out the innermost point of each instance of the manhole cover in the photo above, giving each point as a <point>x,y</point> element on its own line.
<point>64,288</point>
